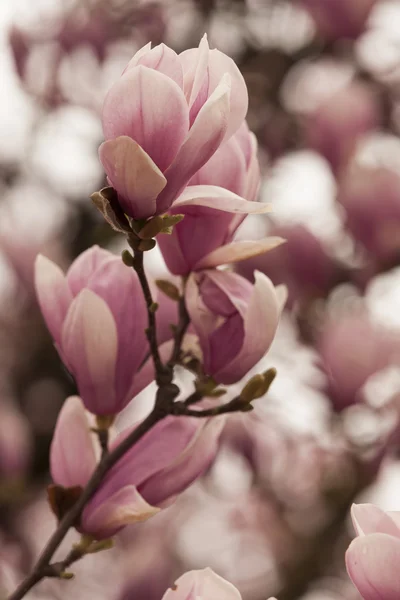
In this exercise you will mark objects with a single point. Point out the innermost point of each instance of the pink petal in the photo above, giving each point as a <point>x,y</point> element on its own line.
<point>219,198</point>
<point>72,461</point>
<point>237,251</point>
<point>124,507</point>
<point>119,287</point>
<point>85,266</point>
<point>137,56</point>
<point>187,467</point>
<point>226,168</point>
<point>150,108</point>
<point>160,58</point>
<point>203,140</point>
<point>372,562</point>
<point>194,62</point>
<point>204,584</point>
<point>368,518</point>
<point>54,295</point>
<point>133,174</point>
<point>90,344</point>
<point>264,307</point>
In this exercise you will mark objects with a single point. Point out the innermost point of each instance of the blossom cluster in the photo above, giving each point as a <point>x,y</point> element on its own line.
<point>182,169</point>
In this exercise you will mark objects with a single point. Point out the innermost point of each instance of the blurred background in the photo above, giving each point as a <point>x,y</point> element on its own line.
<point>272,514</point>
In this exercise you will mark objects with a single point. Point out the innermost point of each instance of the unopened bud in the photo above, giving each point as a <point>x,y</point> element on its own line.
<point>145,245</point>
<point>169,221</point>
<point>169,289</point>
<point>127,258</point>
<point>258,386</point>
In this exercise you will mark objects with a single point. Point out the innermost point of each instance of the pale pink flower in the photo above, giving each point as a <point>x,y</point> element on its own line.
<point>165,461</point>
<point>97,315</point>
<point>164,119</point>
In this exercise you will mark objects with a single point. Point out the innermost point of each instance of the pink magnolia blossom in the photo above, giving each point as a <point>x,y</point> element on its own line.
<point>96,314</point>
<point>337,124</point>
<point>202,585</point>
<point>234,320</point>
<point>353,349</point>
<point>164,119</point>
<point>371,199</point>
<point>217,210</point>
<point>337,19</point>
<point>373,558</point>
<point>164,462</point>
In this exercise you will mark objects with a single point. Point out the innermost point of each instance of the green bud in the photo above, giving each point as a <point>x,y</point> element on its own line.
<point>169,289</point>
<point>145,245</point>
<point>169,221</point>
<point>127,258</point>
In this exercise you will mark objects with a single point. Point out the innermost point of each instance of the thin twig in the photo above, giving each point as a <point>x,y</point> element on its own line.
<point>183,324</point>
<point>163,374</point>
<point>235,405</point>
<point>194,397</point>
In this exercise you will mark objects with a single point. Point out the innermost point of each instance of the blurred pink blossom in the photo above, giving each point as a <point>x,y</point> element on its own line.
<point>371,199</point>
<point>226,312</point>
<point>302,264</point>
<point>335,126</point>
<point>96,314</point>
<point>352,349</point>
<point>164,119</point>
<point>337,19</point>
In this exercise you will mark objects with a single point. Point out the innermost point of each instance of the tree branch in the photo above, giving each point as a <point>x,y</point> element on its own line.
<point>163,374</point>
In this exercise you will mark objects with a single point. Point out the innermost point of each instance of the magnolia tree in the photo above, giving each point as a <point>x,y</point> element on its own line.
<point>182,170</point>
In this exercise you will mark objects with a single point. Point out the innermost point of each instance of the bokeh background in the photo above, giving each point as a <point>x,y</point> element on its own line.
<point>272,513</point>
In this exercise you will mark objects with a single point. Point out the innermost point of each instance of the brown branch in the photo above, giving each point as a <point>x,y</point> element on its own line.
<point>237,404</point>
<point>183,324</point>
<point>163,374</point>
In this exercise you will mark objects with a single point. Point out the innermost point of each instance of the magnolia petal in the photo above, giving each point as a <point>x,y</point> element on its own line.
<point>53,294</point>
<point>72,459</point>
<point>90,344</point>
<point>124,507</point>
<point>194,62</point>
<point>137,56</point>
<point>188,466</point>
<point>85,266</point>
<point>237,251</point>
<point>368,518</point>
<point>133,174</point>
<point>263,308</point>
<point>163,59</point>
<point>204,584</point>
<point>226,168</point>
<point>213,196</point>
<point>203,139</point>
<point>372,562</point>
<point>150,108</point>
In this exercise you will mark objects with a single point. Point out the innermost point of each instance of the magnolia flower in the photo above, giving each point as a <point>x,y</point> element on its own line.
<point>373,558</point>
<point>337,124</point>
<point>202,585</point>
<point>164,119</point>
<point>97,315</point>
<point>162,464</point>
<point>371,200</point>
<point>234,320</point>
